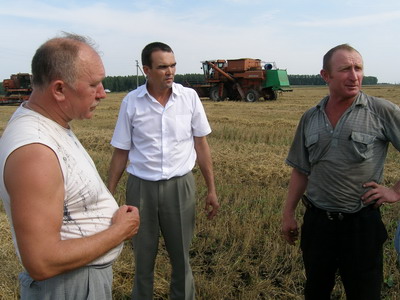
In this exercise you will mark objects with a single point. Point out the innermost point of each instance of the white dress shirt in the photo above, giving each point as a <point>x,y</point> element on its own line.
<point>160,139</point>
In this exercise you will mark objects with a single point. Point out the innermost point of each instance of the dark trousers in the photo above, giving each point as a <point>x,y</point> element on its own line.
<point>349,243</point>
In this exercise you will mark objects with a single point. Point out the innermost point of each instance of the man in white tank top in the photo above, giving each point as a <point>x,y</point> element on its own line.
<point>67,228</point>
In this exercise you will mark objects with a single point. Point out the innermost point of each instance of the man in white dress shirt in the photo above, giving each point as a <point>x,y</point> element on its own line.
<point>162,130</point>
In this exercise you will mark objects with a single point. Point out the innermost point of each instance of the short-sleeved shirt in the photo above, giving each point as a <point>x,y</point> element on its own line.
<point>338,161</point>
<point>160,139</point>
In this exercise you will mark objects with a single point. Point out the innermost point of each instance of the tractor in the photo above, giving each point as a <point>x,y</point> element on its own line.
<point>242,79</point>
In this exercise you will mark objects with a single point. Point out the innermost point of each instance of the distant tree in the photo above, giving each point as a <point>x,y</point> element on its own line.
<point>317,80</point>
<point>189,78</point>
<point>128,83</point>
<point>122,83</point>
<point>306,80</point>
<point>370,80</point>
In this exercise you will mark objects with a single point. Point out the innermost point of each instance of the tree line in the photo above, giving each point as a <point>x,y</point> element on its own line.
<point>128,83</point>
<point>317,80</point>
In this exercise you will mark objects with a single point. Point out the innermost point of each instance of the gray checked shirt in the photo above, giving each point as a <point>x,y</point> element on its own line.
<point>338,161</point>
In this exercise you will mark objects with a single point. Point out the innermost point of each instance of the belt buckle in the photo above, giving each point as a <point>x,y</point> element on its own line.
<point>332,216</point>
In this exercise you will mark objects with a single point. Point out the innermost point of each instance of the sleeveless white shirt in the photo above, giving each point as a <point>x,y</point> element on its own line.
<point>88,205</point>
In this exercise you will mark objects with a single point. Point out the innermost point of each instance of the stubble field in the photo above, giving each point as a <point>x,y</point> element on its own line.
<point>240,254</point>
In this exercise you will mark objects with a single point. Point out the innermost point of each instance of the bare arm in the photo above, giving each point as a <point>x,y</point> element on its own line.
<point>117,167</point>
<point>297,187</point>
<point>205,163</point>
<point>381,194</point>
<point>36,189</point>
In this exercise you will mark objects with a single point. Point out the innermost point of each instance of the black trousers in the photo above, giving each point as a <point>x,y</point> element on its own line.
<point>349,243</point>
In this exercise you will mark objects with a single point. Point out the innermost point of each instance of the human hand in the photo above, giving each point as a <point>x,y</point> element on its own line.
<point>379,194</point>
<point>127,218</point>
<point>212,206</point>
<point>290,231</point>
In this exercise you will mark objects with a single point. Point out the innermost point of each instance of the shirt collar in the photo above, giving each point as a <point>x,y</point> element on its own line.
<point>175,90</point>
<point>361,100</point>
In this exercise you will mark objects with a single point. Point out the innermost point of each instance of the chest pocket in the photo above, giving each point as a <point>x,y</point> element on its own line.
<point>311,143</point>
<point>183,127</point>
<point>362,145</point>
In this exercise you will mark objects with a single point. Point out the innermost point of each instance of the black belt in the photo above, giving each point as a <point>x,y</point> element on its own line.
<point>333,215</point>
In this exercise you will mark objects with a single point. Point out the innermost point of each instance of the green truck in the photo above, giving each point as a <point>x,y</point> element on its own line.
<point>242,79</point>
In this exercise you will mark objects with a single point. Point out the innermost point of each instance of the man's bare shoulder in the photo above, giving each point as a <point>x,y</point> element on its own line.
<point>33,166</point>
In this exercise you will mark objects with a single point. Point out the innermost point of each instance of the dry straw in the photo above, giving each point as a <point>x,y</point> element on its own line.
<point>240,254</point>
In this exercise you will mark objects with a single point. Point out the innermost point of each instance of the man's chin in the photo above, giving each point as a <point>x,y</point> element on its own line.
<point>353,90</point>
<point>89,114</point>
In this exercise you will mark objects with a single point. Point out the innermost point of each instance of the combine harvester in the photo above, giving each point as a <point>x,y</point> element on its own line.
<point>242,79</point>
<point>17,89</point>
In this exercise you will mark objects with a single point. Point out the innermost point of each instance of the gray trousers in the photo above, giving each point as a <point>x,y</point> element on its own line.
<point>86,283</point>
<point>167,206</point>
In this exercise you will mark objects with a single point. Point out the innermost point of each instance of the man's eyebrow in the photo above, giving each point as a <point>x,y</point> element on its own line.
<point>166,66</point>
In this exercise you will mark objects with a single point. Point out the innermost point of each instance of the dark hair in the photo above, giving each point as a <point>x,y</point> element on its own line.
<point>150,48</point>
<point>57,59</point>
<point>326,63</point>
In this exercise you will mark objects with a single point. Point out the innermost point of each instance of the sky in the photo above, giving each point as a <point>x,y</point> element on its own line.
<point>295,34</point>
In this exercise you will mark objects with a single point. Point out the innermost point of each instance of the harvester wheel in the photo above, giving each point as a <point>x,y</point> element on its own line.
<point>214,94</point>
<point>234,95</point>
<point>252,95</point>
<point>270,94</point>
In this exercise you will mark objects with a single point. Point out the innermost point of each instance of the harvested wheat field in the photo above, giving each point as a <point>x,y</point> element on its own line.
<point>240,254</point>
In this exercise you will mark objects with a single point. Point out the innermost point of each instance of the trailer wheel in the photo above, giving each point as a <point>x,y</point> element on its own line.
<point>252,96</point>
<point>270,94</point>
<point>214,94</point>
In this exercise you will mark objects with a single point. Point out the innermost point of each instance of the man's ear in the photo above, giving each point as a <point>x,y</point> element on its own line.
<point>146,69</point>
<point>58,89</point>
<point>325,75</point>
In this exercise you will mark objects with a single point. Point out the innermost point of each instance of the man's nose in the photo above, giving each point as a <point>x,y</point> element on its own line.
<point>353,74</point>
<point>101,93</point>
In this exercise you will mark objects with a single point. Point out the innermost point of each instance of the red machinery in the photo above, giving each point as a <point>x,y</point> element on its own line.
<point>17,89</point>
<point>242,79</point>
